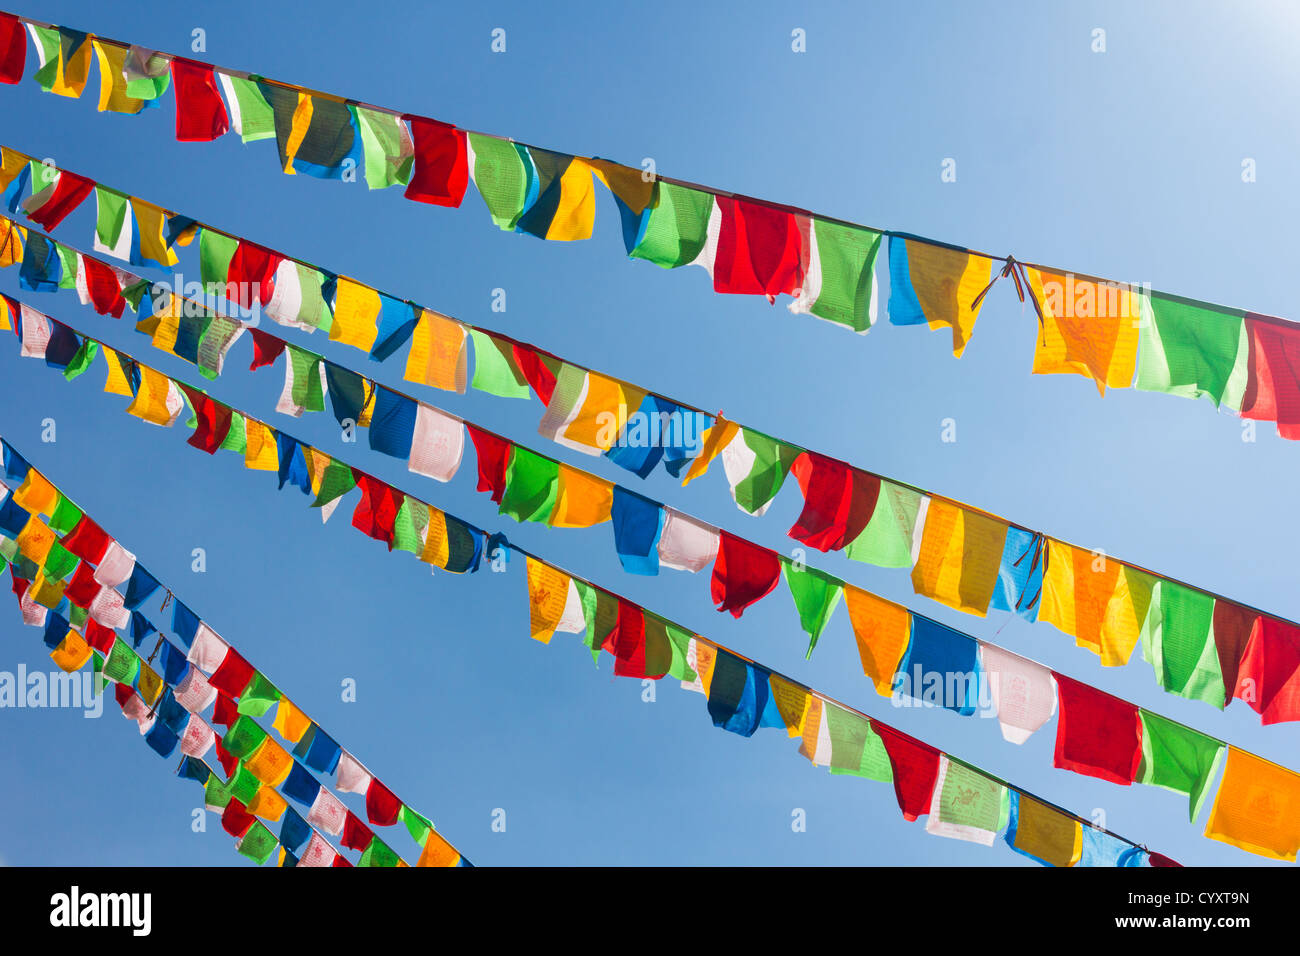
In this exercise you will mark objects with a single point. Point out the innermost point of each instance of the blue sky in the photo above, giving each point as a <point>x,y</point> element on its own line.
<point>1125,164</point>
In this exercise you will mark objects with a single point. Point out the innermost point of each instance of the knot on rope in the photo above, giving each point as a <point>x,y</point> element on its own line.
<point>1016,271</point>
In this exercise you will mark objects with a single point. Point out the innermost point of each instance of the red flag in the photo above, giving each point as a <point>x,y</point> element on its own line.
<point>493,457</point>
<point>228,760</point>
<point>83,588</point>
<point>441,168</point>
<point>252,271</point>
<point>376,512</point>
<point>87,541</point>
<point>1269,677</point>
<point>838,501</point>
<point>759,249</point>
<point>539,375</point>
<point>742,574</point>
<point>225,712</point>
<point>235,819</point>
<point>1273,386</point>
<point>103,288</point>
<point>629,641</point>
<point>266,348</point>
<point>340,860</point>
<point>382,806</point>
<point>233,675</point>
<point>916,767</point>
<point>1096,734</point>
<point>123,693</point>
<point>13,48</point>
<point>200,111</point>
<point>68,192</point>
<point>356,835</point>
<point>98,636</point>
<point>1233,626</point>
<point>214,422</point>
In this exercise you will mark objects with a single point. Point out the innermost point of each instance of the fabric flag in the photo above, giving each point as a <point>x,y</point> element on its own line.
<point>553,603</point>
<point>64,57</point>
<point>1101,603</point>
<point>1100,849</point>
<point>396,322</point>
<point>251,115</point>
<point>495,369</point>
<point>671,231</point>
<point>1022,691</point>
<point>1273,388</point>
<point>1192,350</point>
<point>389,150</point>
<point>583,500</point>
<point>503,174</point>
<point>839,284</point>
<point>98,287</point>
<point>313,132</point>
<point>839,501</point>
<point>147,73</point>
<point>888,537</point>
<point>1269,675</point>
<point>855,748</point>
<point>113,95</point>
<point>1097,735</point>
<point>740,696</point>
<point>961,552</point>
<point>756,467</point>
<point>250,274</point>
<point>588,410</point>
<point>915,768</point>
<point>382,806</point>
<point>1178,758</point>
<point>150,246</point>
<point>200,112</point>
<point>882,630</point>
<point>114,224</point>
<point>941,667</point>
<point>1087,328</point>
<point>296,297</point>
<point>440,169</point>
<point>715,438</point>
<point>1020,574</point>
<point>50,205</point>
<point>13,48</point>
<point>565,204</point>
<point>742,574</point>
<point>1177,641</point>
<point>376,512</point>
<point>393,424</point>
<point>686,544</point>
<point>759,249</point>
<point>1043,833</point>
<point>439,355</point>
<point>815,596</point>
<point>967,805</point>
<point>1257,807</point>
<point>638,523</point>
<point>158,400</point>
<point>1233,627</point>
<point>936,285</point>
<point>530,486</point>
<point>327,812</point>
<point>493,454</point>
<point>641,446</point>
<point>437,444</point>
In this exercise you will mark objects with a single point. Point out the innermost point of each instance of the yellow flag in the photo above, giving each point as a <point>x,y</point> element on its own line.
<point>112,80</point>
<point>298,131</point>
<point>1257,807</point>
<point>45,592</point>
<point>149,683</point>
<point>883,630</point>
<point>36,494</point>
<point>117,383</point>
<point>1048,834</point>
<point>575,214</point>
<point>260,453</point>
<point>1087,328</point>
<point>290,722</point>
<point>437,851</point>
<point>548,594</point>
<point>72,653</point>
<point>583,500</point>
<point>158,400</point>
<point>1098,601</point>
<point>151,223</point>
<point>946,282</point>
<point>356,315</point>
<point>11,252</point>
<point>35,540</point>
<point>961,551</point>
<point>792,701</point>
<point>270,763</point>
<point>267,804</point>
<point>438,355</point>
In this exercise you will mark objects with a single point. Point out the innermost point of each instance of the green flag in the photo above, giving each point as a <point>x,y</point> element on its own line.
<point>886,541</point>
<point>244,784</point>
<point>112,219</point>
<point>216,794</point>
<point>1191,349</point>
<point>122,664</point>
<point>600,610</point>
<point>840,282</point>
<point>81,361</point>
<point>495,369</point>
<point>66,515</point>
<point>387,147</point>
<point>674,227</point>
<point>756,467</point>
<point>855,748</point>
<point>258,843</point>
<point>531,484</point>
<point>502,172</point>
<point>59,562</point>
<point>244,736</point>
<point>378,853</point>
<point>1177,641</point>
<point>418,825</point>
<point>334,484</point>
<point>410,526</point>
<point>215,253</point>
<point>967,805</point>
<point>258,697</point>
<point>1178,758</point>
<point>307,391</point>
<point>250,114</point>
<point>815,596</point>
<point>236,439</point>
